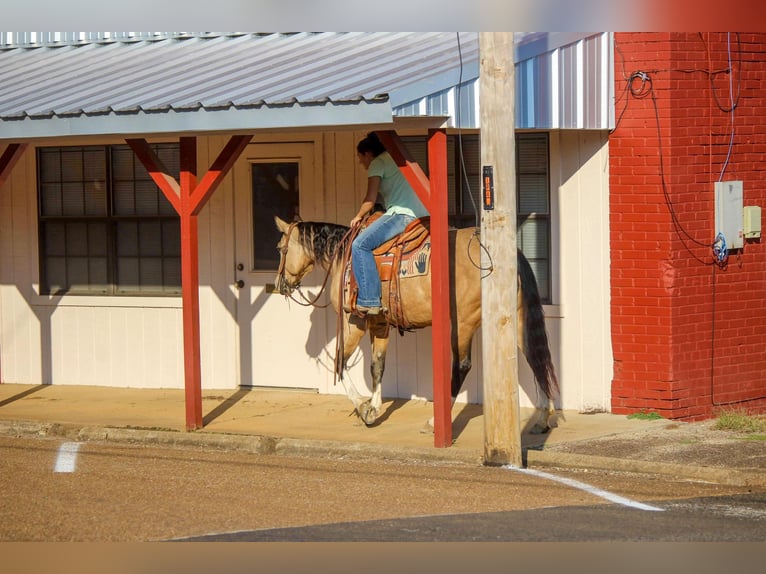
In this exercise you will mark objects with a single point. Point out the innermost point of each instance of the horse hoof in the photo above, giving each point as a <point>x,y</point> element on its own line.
<point>368,414</point>
<point>540,428</point>
<point>428,428</point>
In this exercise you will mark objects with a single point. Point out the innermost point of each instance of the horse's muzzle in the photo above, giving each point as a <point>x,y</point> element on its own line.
<point>284,287</point>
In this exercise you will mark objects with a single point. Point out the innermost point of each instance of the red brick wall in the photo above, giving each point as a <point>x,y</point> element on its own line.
<point>689,336</point>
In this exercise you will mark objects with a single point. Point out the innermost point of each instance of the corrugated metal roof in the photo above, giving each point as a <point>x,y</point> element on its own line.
<point>217,82</point>
<point>563,81</point>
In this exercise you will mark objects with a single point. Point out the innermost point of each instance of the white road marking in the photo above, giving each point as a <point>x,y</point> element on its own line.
<point>66,461</point>
<point>610,496</point>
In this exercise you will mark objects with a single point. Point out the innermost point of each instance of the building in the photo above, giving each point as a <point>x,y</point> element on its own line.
<point>89,248</point>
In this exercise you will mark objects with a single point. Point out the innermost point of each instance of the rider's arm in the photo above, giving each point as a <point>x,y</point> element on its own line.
<point>373,185</point>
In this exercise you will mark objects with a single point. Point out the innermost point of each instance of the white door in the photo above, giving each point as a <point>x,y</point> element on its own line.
<point>281,344</point>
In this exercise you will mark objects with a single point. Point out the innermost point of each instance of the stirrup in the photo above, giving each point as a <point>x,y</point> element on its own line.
<point>365,311</point>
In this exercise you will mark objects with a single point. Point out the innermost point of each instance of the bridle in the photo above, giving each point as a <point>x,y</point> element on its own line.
<point>348,237</point>
<point>283,262</point>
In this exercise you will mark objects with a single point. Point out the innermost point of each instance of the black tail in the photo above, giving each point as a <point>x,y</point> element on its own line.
<point>535,346</point>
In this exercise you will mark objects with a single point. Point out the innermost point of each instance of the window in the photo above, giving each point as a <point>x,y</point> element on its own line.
<point>533,207</point>
<point>533,197</point>
<point>105,227</point>
<point>275,192</point>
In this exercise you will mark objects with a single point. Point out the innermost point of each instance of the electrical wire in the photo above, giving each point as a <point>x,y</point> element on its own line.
<point>464,172</point>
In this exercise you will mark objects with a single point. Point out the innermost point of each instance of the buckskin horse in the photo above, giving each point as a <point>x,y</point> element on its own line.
<point>306,244</point>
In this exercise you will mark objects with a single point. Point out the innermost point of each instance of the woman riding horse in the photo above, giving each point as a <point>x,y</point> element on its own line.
<point>402,206</point>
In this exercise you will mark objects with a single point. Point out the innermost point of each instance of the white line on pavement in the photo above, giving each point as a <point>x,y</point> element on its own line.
<point>67,457</point>
<point>590,489</point>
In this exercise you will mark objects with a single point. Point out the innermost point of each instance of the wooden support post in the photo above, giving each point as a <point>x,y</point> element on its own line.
<point>11,155</point>
<point>441,331</point>
<point>190,284</point>
<point>188,197</point>
<point>433,194</point>
<point>502,429</point>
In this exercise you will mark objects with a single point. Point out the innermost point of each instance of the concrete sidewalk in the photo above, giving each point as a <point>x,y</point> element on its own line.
<point>305,423</point>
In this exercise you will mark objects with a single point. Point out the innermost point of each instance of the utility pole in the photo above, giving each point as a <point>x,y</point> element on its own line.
<point>502,429</point>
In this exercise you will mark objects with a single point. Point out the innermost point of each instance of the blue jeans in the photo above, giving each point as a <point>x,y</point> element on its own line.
<point>363,261</point>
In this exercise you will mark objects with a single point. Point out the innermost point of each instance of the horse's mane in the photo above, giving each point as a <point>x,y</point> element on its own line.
<point>321,239</point>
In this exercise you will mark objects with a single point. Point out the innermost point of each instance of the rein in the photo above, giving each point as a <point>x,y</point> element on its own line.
<point>348,236</point>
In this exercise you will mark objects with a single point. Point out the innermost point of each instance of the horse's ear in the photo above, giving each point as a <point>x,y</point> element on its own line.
<point>281,225</point>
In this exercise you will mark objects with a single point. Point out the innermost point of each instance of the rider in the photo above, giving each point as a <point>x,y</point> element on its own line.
<point>402,206</point>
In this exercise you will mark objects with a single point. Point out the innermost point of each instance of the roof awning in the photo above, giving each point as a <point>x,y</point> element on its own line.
<point>225,83</point>
<point>230,121</point>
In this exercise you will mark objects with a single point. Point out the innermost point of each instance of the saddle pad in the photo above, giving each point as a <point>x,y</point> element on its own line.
<point>413,264</point>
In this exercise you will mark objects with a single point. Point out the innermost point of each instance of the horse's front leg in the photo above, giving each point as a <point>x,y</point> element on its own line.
<point>370,410</point>
<point>353,331</point>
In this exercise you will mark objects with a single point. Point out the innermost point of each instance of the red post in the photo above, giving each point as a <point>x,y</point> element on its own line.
<point>190,285</point>
<point>433,194</point>
<point>10,156</point>
<point>440,295</point>
<point>188,197</point>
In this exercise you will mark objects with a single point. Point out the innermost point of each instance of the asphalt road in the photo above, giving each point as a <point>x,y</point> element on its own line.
<point>105,492</point>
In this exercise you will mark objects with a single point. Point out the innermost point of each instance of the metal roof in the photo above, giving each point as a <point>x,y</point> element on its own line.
<point>564,80</point>
<point>223,82</point>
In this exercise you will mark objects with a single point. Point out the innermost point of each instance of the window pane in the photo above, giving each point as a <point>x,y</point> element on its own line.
<point>127,239</point>
<point>532,238</point>
<point>71,165</point>
<point>540,269</point>
<point>77,273</point>
<point>171,239</point>
<point>97,240</point>
<point>98,276</point>
<point>55,274</point>
<point>55,239</point>
<point>171,273</point>
<point>50,165</point>
<point>123,199</point>
<point>95,197</point>
<point>73,200</point>
<point>533,193</point>
<point>127,273</point>
<point>50,200</point>
<point>149,239</point>
<point>151,274</point>
<point>77,239</point>
<point>275,192</point>
<point>146,197</point>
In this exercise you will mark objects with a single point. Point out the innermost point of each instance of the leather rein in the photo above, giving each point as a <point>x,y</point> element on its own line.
<point>347,237</point>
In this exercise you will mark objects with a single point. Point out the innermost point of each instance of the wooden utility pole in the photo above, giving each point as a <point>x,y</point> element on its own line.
<point>502,429</point>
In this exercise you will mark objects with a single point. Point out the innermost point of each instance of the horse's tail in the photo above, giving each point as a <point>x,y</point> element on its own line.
<point>535,337</point>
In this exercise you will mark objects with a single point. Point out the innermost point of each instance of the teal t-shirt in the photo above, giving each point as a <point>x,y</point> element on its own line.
<point>397,194</point>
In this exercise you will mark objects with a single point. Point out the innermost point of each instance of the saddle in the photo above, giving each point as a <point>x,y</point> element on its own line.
<point>405,255</point>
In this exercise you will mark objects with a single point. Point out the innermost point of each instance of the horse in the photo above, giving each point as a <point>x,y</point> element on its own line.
<point>306,244</point>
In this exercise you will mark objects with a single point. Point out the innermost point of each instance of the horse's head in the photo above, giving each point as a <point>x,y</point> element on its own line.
<point>295,261</point>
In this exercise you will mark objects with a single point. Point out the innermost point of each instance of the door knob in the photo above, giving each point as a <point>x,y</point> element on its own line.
<point>239,283</point>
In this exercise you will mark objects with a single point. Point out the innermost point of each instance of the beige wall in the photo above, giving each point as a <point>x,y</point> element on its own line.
<point>137,341</point>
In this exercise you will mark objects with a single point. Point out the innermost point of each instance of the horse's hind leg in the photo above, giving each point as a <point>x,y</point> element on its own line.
<point>370,410</point>
<point>461,366</point>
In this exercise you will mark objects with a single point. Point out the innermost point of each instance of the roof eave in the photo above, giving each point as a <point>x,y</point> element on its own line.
<point>335,115</point>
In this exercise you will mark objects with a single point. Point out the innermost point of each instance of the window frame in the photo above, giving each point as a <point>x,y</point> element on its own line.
<point>169,254</point>
<point>466,183</point>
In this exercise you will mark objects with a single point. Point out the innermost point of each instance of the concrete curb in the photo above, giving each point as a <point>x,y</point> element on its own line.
<point>726,476</point>
<point>255,444</point>
<point>269,445</point>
